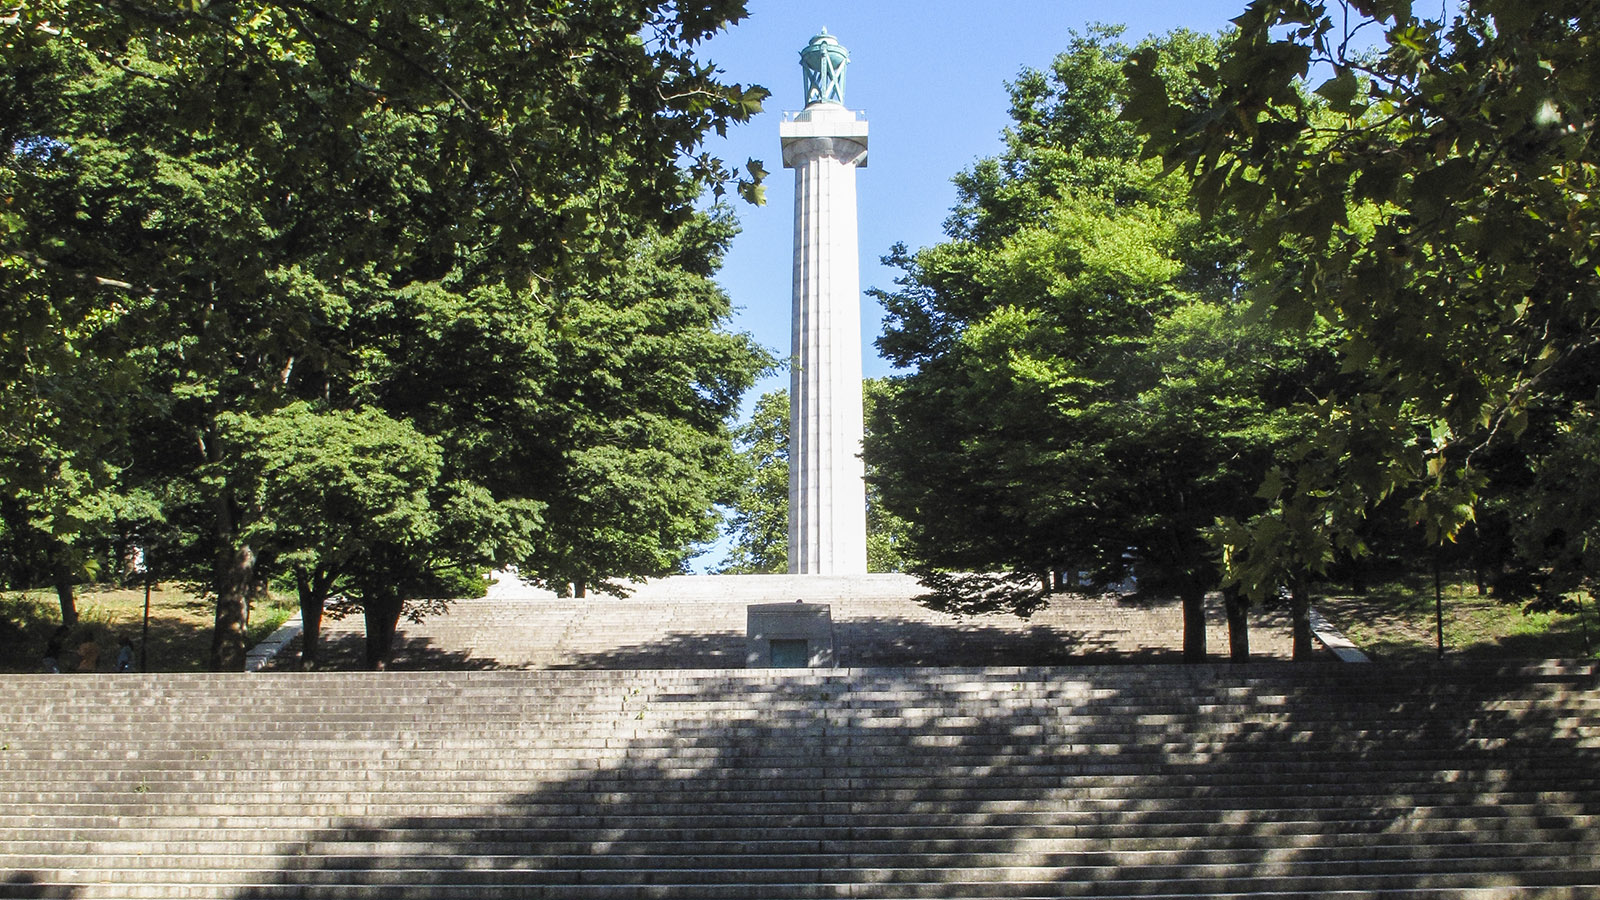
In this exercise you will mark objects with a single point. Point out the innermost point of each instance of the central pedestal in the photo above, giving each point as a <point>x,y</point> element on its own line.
<point>789,636</point>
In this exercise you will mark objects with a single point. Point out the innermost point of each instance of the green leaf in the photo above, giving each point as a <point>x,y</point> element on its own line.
<point>1340,91</point>
<point>1437,186</point>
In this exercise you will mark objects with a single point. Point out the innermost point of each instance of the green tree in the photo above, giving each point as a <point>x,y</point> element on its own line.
<point>647,385</point>
<point>254,204</point>
<point>1560,525</point>
<point>60,455</point>
<point>1086,394</point>
<point>1433,200</point>
<point>759,524</point>
<point>888,535</point>
<point>332,497</point>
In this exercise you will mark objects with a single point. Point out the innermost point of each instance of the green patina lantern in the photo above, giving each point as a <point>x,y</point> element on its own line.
<point>823,61</point>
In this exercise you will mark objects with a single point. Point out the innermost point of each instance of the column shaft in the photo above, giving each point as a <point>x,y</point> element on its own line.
<point>827,495</point>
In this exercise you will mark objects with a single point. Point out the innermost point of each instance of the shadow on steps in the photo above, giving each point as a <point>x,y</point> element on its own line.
<point>1171,781</point>
<point>32,886</point>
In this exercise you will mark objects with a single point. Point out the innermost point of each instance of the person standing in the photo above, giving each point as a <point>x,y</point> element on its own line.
<point>52,650</point>
<point>125,656</point>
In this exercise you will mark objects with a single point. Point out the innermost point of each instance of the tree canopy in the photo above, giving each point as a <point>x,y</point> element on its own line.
<point>1432,200</point>
<point>758,522</point>
<point>478,224</point>
<point>1087,396</point>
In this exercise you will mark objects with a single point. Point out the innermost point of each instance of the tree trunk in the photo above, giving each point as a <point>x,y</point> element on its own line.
<point>1300,613</point>
<point>382,615</point>
<point>313,591</point>
<point>235,569</point>
<point>234,573</point>
<point>1238,606</point>
<point>257,590</point>
<point>1358,577</point>
<point>1194,621</point>
<point>69,603</point>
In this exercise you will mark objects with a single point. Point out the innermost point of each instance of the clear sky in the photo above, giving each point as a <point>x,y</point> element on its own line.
<point>931,77</point>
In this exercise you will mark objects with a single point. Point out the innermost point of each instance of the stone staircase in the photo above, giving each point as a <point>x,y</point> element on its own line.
<point>1263,781</point>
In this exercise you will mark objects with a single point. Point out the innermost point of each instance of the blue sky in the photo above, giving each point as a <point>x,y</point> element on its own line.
<point>931,76</point>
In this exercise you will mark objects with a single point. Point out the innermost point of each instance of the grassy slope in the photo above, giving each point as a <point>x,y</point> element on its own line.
<point>180,626</point>
<point>1395,621</point>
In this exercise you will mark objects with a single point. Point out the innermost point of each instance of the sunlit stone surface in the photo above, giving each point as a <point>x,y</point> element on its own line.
<point>824,144</point>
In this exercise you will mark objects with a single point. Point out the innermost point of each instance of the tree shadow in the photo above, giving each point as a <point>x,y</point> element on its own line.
<point>981,593</point>
<point>1570,642</point>
<point>1397,627</point>
<point>905,642</point>
<point>32,886</point>
<point>346,651</point>
<point>1118,629</point>
<point>674,650</point>
<point>884,642</point>
<point>1019,782</point>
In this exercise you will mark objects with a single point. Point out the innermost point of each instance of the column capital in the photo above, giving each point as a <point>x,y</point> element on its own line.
<point>847,150</point>
<point>824,130</point>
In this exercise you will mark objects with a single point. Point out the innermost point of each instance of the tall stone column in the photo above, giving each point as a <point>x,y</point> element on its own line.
<point>824,144</point>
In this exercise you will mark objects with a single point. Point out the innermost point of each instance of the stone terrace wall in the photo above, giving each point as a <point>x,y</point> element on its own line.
<point>698,621</point>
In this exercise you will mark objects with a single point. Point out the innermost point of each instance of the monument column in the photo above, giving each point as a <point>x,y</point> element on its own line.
<point>824,144</point>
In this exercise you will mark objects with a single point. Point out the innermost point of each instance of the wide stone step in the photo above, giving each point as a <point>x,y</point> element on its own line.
<point>655,798</point>
<point>1439,788</point>
<point>1149,787</point>
<point>812,886</point>
<point>997,727</point>
<point>777,825</point>
<point>309,836</point>
<point>399,852</point>
<point>689,871</point>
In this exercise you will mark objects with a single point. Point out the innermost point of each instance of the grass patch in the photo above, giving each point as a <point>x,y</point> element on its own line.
<point>1396,621</point>
<point>180,627</point>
